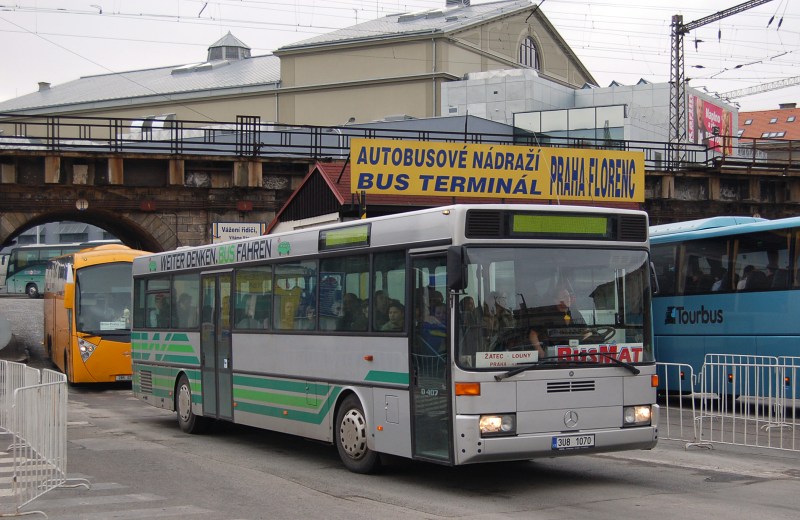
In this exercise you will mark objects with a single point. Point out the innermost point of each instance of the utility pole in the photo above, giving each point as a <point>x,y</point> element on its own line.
<point>677,82</point>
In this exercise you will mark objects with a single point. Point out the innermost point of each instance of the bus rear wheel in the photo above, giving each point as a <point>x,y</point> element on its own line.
<point>32,290</point>
<point>187,420</point>
<point>351,438</point>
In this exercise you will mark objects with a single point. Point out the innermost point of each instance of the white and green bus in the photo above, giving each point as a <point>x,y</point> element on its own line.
<point>440,335</point>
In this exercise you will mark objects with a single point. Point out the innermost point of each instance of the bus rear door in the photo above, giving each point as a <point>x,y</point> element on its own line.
<point>215,346</point>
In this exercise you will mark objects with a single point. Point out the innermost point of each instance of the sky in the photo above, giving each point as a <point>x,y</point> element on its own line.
<point>57,41</point>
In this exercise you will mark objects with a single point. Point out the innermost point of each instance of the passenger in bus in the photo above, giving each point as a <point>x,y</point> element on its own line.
<point>497,314</point>
<point>309,321</point>
<point>471,328</point>
<point>352,318</point>
<point>397,317</point>
<point>743,279</point>
<point>185,312</point>
<point>561,315</point>
<point>247,317</point>
<point>756,281</point>
<point>380,312</point>
<point>289,310</point>
<point>159,316</point>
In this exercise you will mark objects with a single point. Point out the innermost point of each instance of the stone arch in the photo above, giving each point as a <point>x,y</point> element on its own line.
<point>139,231</point>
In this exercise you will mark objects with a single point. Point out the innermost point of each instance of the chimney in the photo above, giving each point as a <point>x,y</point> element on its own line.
<point>787,105</point>
<point>43,85</point>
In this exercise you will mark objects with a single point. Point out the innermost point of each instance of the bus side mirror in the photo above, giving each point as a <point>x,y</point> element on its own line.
<point>456,269</point>
<point>69,295</point>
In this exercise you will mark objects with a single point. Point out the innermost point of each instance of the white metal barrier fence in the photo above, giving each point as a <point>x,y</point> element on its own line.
<point>742,400</point>
<point>13,376</point>
<point>34,408</point>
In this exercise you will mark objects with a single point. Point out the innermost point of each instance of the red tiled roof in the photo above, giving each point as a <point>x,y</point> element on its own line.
<point>760,124</point>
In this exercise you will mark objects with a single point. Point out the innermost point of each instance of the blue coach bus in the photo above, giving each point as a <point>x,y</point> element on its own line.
<point>726,285</point>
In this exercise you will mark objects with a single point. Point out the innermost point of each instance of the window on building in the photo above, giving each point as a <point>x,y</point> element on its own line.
<point>748,121</point>
<point>765,134</point>
<point>739,133</point>
<point>781,134</point>
<point>773,120</point>
<point>790,119</point>
<point>529,54</point>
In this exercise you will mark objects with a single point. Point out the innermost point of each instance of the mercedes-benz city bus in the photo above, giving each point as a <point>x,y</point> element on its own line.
<point>440,335</point>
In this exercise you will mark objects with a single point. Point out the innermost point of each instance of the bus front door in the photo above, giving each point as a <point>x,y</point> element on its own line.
<point>430,361</point>
<point>215,347</point>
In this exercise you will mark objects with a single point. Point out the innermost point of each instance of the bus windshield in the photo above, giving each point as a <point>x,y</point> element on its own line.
<point>103,299</point>
<point>548,307</point>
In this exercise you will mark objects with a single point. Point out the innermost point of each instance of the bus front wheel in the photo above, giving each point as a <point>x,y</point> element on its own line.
<point>32,290</point>
<point>351,438</point>
<point>187,420</point>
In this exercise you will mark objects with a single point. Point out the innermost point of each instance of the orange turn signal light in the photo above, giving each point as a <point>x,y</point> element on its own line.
<point>654,381</point>
<point>468,389</point>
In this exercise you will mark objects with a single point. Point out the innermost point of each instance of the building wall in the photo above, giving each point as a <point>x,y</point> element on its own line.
<point>498,95</point>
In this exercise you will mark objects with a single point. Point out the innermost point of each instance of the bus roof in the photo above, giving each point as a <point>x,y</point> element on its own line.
<point>740,225</point>
<point>700,224</point>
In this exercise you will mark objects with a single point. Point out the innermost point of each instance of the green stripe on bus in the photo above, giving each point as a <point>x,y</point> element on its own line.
<point>299,387</point>
<point>292,415</point>
<point>299,401</point>
<point>380,376</point>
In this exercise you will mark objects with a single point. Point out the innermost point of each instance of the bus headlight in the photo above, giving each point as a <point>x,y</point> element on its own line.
<point>636,415</point>
<point>86,349</point>
<point>498,425</point>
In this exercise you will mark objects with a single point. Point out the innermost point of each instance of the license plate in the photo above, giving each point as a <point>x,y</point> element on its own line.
<point>573,442</point>
<point>123,378</point>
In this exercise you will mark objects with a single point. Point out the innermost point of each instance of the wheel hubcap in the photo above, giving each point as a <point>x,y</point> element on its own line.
<point>353,434</point>
<point>184,403</point>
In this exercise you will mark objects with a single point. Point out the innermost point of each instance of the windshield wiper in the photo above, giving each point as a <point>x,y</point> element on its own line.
<point>618,362</point>
<point>522,368</point>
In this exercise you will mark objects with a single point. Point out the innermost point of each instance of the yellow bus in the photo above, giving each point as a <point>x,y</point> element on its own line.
<point>87,326</point>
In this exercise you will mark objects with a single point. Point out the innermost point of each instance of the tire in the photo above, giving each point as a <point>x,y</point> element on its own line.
<point>187,420</point>
<point>32,290</point>
<point>351,438</point>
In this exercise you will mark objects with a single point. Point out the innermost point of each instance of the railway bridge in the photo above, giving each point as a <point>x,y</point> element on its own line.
<point>161,187</point>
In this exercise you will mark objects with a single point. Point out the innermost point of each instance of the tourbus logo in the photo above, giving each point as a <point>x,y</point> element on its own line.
<point>683,316</point>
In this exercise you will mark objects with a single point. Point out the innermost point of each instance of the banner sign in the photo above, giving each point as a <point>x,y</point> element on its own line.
<point>389,167</point>
<point>709,124</point>
<point>225,231</point>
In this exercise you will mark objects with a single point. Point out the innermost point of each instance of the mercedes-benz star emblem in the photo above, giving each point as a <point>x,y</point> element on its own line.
<point>571,418</point>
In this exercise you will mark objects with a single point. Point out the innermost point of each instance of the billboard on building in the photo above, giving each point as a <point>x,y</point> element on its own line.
<point>709,124</point>
<point>392,167</point>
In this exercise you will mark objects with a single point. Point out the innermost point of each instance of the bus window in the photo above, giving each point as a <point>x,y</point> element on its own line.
<point>186,294</point>
<point>351,310</point>
<point>157,303</point>
<point>389,283</point>
<point>253,298</point>
<point>294,290</point>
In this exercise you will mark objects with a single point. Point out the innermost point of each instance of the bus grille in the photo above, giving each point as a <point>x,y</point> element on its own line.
<point>554,387</point>
<point>146,382</point>
<point>484,224</point>
<point>632,228</point>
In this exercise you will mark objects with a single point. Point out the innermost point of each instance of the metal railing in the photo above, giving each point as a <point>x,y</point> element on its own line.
<point>35,406</point>
<point>249,137</point>
<point>744,400</point>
